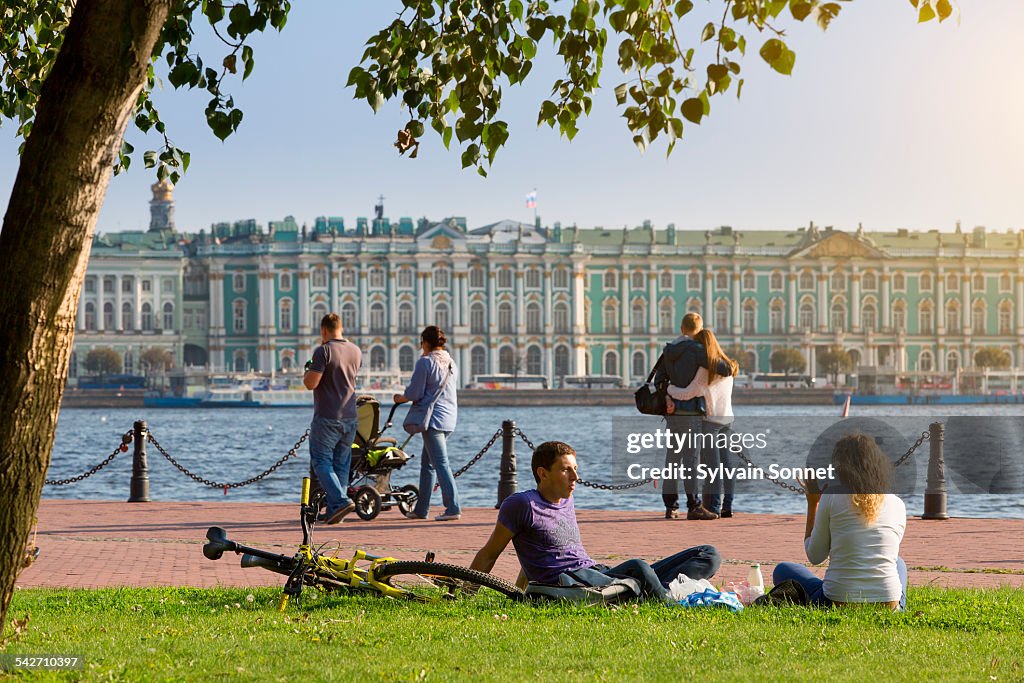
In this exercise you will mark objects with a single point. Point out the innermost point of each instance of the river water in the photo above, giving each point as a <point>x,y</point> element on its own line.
<point>228,445</point>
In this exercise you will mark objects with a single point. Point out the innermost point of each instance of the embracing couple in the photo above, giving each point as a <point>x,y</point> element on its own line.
<point>700,378</point>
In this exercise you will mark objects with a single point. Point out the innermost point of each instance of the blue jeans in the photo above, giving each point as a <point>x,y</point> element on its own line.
<point>712,458</point>
<point>815,587</point>
<point>435,457</point>
<point>699,562</point>
<point>330,454</point>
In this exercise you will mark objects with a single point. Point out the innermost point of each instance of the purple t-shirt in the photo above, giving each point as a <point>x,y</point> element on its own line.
<point>545,535</point>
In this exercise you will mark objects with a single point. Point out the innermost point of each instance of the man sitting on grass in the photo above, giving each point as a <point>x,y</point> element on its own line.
<point>541,523</point>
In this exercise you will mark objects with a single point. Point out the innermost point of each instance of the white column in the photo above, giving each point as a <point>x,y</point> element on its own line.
<point>158,310</point>
<point>492,309</point>
<point>1020,308</point>
<point>737,320</point>
<point>548,318</point>
<point>823,317</point>
<point>520,306</point>
<point>578,366</point>
<point>118,303</point>
<point>652,303</point>
<point>792,311</point>
<point>80,314</point>
<point>709,311</point>
<point>364,304</point>
<point>625,305</point>
<point>393,304</point>
<point>421,299</point>
<point>855,301</point>
<point>428,305</point>
<point>334,290</point>
<point>940,303</point>
<point>967,307</point>
<point>306,324</point>
<point>100,300</point>
<point>886,303</point>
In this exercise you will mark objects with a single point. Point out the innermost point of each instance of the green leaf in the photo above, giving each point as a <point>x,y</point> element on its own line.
<point>620,94</point>
<point>683,7</point>
<point>944,8</point>
<point>515,8</point>
<point>708,33</point>
<point>778,56</point>
<point>800,9</point>
<point>446,136</point>
<point>415,128</point>
<point>926,13</point>
<point>529,48</point>
<point>646,41</point>
<point>692,110</point>
<point>150,158</point>
<point>640,142</point>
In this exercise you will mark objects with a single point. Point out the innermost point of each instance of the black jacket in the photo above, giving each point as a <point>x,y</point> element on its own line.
<point>681,359</point>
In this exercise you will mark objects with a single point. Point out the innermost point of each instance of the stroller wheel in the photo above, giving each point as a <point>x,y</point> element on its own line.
<point>368,503</point>
<point>406,497</point>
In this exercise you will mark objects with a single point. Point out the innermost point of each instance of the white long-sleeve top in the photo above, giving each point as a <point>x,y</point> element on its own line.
<point>717,395</point>
<point>862,557</point>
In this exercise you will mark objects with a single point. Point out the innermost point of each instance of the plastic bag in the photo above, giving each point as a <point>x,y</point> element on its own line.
<point>683,585</point>
<point>713,598</point>
<point>746,593</point>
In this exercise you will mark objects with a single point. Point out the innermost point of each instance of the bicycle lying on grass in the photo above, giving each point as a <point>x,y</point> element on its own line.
<point>425,581</point>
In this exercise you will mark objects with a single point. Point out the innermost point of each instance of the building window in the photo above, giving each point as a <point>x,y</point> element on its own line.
<point>925,362</point>
<point>775,282</point>
<point>350,318</point>
<point>561,278</point>
<point>775,322</point>
<point>378,357</point>
<point>108,284</point>
<point>637,279</point>
<point>638,316</point>
<point>561,362</point>
<point>168,285</point>
<point>505,278</point>
<point>406,359</point>
<point>348,278</point>
<point>377,278</point>
<point>925,283</point>
<point>610,313</point>
<point>869,282</point>
<point>1005,317</point>
<point>807,280</point>
<point>1005,283</point>
<point>693,280</point>
<point>838,318</point>
<point>168,316</point>
<point>749,281</point>
<point>838,282</point>
<point>90,285</point>
<point>722,317</point>
<point>952,282</point>
<point>952,318</point>
<point>73,365</point>
<point>534,361</point>
<point>639,364</point>
<point>477,361</point>
<point>952,361</point>
<point>665,280</point>
<point>108,316</point>
<point>722,280</point>
<point>505,318</point>
<point>610,280</point>
<point>978,315</point>
<point>506,360</point>
<point>127,284</point>
<point>926,318</point>
<point>241,361</point>
<point>899,316</point>
<point>443,317</point>
<point>476,277</point>
<point>561,318</point>
<point>406,318</point>
<point>378,319</point>
<point>533,277</point>
<point>899,282</point>
<point>237,310</point>
<point>749,318</point>
<point>979,283</point>
<point>319,278</point>
<point>666,317</point>
<point>442,278</point>
<point>286,281</point>
<point>237,282</point>
<point>127,316</point>
<point>406,278</point>
<point>284,315</point>
<point>287,360</point>
<point>534,324</point>
<point>611,364</point>
<point>806,317</point>
<point>478,319</point>
<point>90,316</point>
<point>147,284</point>
<point>319,311</point>
<point>868,318</point>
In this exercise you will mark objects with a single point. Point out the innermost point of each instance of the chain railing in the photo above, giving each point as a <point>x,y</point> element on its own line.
<point>221,485</point>
<point>476,458</point>
<point>122,447</point>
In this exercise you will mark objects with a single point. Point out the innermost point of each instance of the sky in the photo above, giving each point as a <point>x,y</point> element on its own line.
<point>884,122</point>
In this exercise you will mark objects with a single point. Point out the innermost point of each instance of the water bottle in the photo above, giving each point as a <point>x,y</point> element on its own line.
<point>754,577</point>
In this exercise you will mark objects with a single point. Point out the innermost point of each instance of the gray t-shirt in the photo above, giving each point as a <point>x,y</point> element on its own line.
<point>338,363</point>
<point>545,535</point>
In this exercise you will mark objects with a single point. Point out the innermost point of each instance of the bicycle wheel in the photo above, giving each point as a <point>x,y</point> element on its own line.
<point>435,581</point>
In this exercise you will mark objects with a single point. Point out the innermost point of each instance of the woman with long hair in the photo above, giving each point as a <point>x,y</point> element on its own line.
<point>858,530</point>
<point>715,388</point>
<point>433,389</point>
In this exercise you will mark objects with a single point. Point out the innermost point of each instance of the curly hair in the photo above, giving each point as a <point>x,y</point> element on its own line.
<point>865,471</point>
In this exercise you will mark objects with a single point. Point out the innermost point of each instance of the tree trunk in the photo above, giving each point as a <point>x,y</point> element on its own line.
<point>83,109</point>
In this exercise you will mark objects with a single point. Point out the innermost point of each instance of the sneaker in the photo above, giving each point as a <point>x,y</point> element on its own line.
<point>447,518</point>
<point>340,514</point>
<point>700,512</point>
<point>671,513</point>
<point>412,515</point>
<point>726,513</point>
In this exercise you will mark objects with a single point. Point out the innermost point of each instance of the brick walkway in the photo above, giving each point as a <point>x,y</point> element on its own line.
<point>86,544</point>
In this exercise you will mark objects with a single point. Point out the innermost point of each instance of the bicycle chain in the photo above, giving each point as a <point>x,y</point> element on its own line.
<point>217,485</point>
<point>476,458</point>
<point>122,447</point>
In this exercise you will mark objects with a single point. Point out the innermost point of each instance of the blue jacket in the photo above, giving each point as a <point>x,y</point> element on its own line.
<point>681,359</point>
<point>427,376</point>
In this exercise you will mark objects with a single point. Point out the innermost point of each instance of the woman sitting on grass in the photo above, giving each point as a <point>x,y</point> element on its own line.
<point>858,532</point>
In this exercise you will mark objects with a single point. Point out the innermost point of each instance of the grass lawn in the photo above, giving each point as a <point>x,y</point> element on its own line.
<point>213,634</point>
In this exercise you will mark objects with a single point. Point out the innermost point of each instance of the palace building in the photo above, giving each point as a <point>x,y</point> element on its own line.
<point>554,301</point>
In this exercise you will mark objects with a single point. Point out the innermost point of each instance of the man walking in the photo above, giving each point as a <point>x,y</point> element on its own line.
<point>331,375</point>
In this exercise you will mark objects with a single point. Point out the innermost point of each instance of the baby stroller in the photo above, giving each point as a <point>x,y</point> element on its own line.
<point>374,458</point>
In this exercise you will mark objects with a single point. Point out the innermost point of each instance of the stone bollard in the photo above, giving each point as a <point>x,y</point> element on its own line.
<point>507,484</point>
<point>140,469</point>
<point>935,490</point>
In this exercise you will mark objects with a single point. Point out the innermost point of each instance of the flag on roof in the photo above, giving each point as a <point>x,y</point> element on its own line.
<point>531,200</point>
